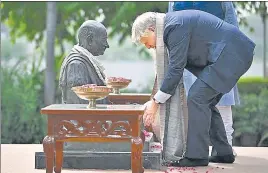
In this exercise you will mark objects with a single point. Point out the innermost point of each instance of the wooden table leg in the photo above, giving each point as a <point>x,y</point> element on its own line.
<point>136,155</point>
<point>142,135</point>
<point>58,156</point>
<point>48,146</point>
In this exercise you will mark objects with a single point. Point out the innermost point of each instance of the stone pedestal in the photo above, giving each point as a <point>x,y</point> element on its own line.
<point>101,147</point>
<point>100,160</point>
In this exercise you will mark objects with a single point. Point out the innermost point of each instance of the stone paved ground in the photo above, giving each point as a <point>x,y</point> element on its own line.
<point>20,159</point>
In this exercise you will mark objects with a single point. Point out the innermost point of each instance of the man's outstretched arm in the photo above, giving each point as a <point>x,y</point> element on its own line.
<point>177,40</point>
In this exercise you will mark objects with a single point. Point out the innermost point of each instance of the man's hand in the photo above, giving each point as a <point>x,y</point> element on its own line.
<point>150,112</point>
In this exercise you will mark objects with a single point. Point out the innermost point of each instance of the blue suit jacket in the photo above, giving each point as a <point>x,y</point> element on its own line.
<point>216,52</point>
<point>223,10</point>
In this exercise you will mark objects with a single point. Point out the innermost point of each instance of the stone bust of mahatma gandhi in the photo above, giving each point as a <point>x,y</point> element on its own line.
<point>80,66</point>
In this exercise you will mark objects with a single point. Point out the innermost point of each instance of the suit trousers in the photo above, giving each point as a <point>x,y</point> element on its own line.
<point>205,123</point>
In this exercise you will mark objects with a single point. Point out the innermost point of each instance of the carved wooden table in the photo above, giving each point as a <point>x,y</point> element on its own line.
<point>107,123</point>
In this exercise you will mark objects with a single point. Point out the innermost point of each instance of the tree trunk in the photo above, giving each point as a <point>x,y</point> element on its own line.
<point>264,46</point>
<point>50,75</point>
<point>264,17</point>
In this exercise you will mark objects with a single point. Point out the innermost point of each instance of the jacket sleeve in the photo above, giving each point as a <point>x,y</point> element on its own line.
<point>177,40</point>
<point>229,13</point>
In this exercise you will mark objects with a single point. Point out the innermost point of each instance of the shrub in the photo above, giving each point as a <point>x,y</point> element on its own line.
<point>251,117</point>
<point>22,98</point>
<point>252,85</point>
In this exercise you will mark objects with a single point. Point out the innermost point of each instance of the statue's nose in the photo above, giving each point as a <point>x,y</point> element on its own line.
<point>107,45</point>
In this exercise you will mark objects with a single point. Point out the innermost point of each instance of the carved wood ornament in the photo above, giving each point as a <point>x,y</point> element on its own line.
<point>93,128</point>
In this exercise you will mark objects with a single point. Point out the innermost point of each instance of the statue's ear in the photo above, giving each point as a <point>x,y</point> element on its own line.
<point>90,37</point>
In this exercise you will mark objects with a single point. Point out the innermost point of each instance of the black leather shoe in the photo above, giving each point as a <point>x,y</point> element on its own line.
<point>222,159</point>
<point>187,162</point>
<point>214,152</point>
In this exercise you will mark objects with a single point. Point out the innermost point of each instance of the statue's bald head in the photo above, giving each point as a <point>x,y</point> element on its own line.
<point>92,35</point>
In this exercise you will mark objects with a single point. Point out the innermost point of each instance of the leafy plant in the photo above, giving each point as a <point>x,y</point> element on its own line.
<point>21,102</point>
<point>251,117</point>
<point>264,139</point>
<point>252,85</point>
<point>264,118</point>
<point>244,119</point>
<point>28,18</point>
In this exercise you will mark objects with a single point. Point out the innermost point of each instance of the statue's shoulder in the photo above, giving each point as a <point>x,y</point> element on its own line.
<point>75,62</point>
<point>71,62</point>
<point>75,58</point>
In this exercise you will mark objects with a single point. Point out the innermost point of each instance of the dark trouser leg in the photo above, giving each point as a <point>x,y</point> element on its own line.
<point>202,115</point>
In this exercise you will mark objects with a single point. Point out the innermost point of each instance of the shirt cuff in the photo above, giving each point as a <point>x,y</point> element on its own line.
<point>161,97</point>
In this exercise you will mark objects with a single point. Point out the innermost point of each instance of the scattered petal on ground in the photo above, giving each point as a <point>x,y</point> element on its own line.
<point>192,169</point>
